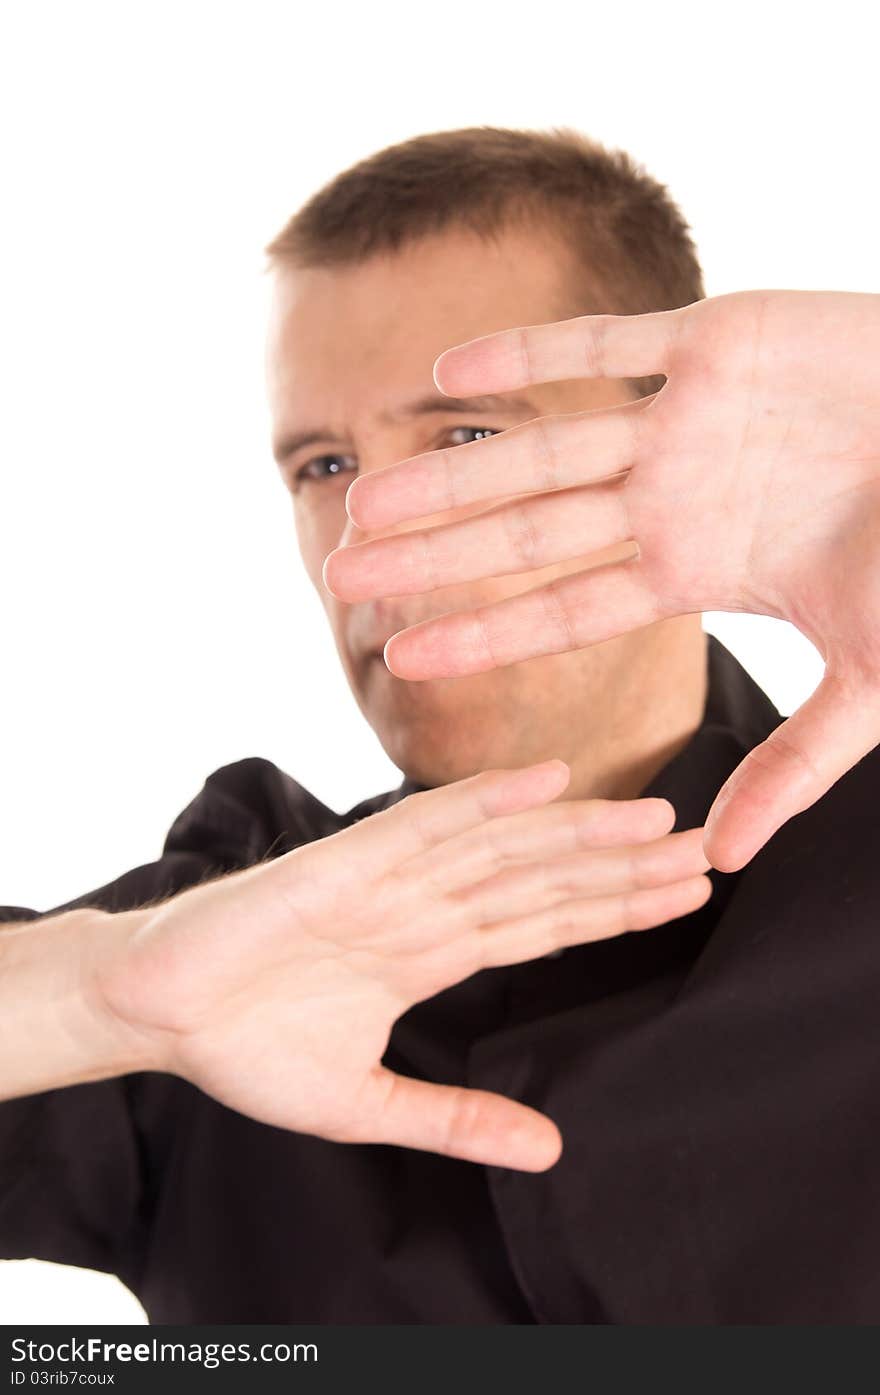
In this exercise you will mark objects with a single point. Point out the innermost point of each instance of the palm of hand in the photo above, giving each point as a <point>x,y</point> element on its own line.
<point>757,489</point>
<point>749,482</point>
<point>745,487</point>
<point>275,989</point>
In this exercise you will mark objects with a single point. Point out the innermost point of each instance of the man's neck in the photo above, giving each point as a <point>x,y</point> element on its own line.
<point>657,711</point>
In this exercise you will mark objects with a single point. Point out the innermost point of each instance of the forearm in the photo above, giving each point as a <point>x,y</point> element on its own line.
<point>54,1028</point>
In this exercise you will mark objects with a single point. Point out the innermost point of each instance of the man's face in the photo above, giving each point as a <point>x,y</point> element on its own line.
<point>351,352</point>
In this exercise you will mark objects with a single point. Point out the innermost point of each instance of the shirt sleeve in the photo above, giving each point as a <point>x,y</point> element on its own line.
<point>75,1183</point>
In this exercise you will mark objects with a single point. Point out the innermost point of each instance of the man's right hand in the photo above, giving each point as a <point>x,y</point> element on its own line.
<point>275,989</point>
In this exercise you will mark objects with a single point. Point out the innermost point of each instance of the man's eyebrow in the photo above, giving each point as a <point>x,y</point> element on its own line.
<point>494,402</point>
<point>508,403</point>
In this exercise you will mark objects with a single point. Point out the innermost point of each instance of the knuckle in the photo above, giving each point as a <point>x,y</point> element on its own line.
<point>583,824</point>
<point>567,879</point>
<point>640,870</point>
<point>548,455</point>
<point>594,348</point>
<point>500,855</point>
<point>464,1117</point>
<point>780,747</point>
<point>521,535</point>
<point>429,559</point>
<point>559,614</point>
<point>482,620</point>
<point>525,351</point>
<point>413,810</point>
<point>485,786</point>
<point>450,485</point>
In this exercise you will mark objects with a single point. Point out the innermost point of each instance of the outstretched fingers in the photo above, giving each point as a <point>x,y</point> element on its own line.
<point>526,534</point>
<point>535,835</point>
<point>598,872</point>
<point>569,613</point>
<point>588,346</point>
<point>548,453</point>
<point>424,820</point>
<point>582,920</point>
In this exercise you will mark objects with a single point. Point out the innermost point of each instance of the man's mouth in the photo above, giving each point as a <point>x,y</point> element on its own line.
<point>373,655</point>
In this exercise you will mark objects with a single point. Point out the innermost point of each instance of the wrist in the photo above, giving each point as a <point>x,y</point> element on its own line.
<point>55,1027</point>
<point>120,1045</point>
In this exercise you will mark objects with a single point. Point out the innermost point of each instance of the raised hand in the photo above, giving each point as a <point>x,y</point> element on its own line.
<point>275,989</point>
<point>749,482</point>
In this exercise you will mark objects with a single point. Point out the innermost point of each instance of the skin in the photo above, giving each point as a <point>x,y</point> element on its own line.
<point>349,347</point>
<point>275,989</point>
<point>750,482</point>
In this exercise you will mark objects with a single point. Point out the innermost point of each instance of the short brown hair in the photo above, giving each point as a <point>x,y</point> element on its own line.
<point>627,233</point>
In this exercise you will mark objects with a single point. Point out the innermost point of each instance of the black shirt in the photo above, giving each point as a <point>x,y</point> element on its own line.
<point>716,1081</point>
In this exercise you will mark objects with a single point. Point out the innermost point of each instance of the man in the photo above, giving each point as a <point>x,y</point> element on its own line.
<point>204,1114</point>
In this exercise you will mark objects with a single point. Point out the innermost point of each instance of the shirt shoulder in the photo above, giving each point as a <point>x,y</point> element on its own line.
<point>250,809</point>
<point>265,809</point>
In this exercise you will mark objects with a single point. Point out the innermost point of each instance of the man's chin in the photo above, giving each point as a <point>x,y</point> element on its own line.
<point>435,767</point>
<point>435,731</point>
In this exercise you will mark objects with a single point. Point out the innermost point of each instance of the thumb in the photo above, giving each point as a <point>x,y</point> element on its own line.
<point>799,762</point>
<point>475,1125</point>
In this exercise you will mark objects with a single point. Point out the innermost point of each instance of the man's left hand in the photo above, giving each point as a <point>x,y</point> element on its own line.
<point>749,482</point>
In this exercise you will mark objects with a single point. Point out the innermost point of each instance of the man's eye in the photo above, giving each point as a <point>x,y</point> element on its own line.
<point>325,467</point>
<point>476,433</point>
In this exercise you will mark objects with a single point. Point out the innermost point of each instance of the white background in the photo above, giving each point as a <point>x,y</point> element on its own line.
<point>156,623</point>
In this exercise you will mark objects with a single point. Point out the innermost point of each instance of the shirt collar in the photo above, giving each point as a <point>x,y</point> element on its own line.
<point>737,715</point>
